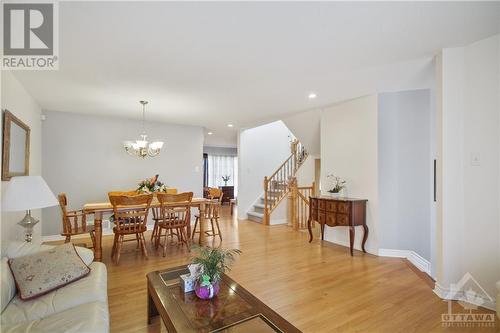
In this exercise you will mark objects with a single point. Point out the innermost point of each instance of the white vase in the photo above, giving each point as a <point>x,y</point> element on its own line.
<point>335,195</point>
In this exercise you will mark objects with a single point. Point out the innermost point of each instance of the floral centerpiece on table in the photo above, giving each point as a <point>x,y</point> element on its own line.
<point>337,185</point>
<point>151,185</point>
<point>212,262</point>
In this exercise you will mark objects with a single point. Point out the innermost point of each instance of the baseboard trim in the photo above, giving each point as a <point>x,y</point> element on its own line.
<point>346,244</point>
<point>418,261</point>
<point>421,263</point>
<point>457,295</point>
<point>393,253</point>
<point>278,221</point>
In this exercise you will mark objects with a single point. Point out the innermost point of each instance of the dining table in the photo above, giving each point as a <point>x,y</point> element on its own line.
<point>98,209</point>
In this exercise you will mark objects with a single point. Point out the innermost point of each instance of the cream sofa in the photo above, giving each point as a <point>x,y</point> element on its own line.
<point>81,306</point>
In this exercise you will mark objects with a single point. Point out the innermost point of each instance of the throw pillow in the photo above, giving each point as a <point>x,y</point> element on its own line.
<point>42,272</point>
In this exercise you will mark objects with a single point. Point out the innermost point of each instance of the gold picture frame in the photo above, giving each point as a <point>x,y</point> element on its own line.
<point>16,147</point>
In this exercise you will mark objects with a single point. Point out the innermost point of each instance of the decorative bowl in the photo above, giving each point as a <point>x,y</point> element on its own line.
<point>207,292</point>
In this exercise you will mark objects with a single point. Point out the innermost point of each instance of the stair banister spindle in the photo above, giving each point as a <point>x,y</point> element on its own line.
<point>281,180</point>
<point>266,210</point>
<point>287,176</point>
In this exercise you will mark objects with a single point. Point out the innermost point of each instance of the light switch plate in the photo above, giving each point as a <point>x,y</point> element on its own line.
<point>475,159</point>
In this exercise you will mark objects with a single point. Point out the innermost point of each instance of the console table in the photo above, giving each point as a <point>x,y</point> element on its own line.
<point>228,193</point>
<point>333,212</point>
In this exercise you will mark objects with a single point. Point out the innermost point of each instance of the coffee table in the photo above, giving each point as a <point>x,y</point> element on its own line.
<point>234,309</point>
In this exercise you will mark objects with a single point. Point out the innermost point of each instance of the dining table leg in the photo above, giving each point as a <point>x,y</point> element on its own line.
<point>98,236</point>
<point>201,222</point>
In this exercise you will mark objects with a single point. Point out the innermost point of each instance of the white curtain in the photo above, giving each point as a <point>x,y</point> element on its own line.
<point>219,166</point>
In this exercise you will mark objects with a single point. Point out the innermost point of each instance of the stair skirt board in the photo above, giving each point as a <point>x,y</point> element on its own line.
<point>256,217</point>
<point>278,221</point>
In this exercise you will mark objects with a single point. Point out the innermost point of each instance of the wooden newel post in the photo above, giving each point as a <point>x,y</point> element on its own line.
<point>290,208</point>
<point>313,189</point>
<point>294,154</point>
<point>265,219</point>
<point>293,147</point>
<point>295,203</point>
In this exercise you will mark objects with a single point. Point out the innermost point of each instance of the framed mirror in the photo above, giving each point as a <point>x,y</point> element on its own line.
<point>16,147</point>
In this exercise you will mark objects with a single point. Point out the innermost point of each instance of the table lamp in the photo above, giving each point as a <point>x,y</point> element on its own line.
<point>27,193</point>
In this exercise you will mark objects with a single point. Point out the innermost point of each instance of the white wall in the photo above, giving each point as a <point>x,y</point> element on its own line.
<point>305,174</point>
<point>306,128</point>
<point>83,156</point>
<point>405,166</point>
<point>261,150</point>
<point>468,115</point>
<point>17,100</point>
<point>349,150</point>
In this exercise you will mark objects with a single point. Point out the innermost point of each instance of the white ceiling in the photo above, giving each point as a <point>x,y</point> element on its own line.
<point>209,64</point>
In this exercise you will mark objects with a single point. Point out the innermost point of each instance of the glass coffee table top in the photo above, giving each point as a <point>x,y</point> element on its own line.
<point>234,309</point>
<point>258,323</point>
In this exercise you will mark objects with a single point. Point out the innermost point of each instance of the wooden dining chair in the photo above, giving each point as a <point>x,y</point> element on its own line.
<point>212,213</point>
<point>74,222</point>
<point>174,216</point>
<point>130,218</point>
<point>156,215</point>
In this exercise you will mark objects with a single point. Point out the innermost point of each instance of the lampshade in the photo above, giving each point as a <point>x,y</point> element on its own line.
<point>27,192</point>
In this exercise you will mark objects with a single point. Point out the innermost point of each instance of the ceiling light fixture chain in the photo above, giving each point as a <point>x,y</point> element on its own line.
<point>143,116</point>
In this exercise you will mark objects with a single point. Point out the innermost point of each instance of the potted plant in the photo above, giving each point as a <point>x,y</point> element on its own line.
<point>226,179</point>
<point>338,184</point>
<point>212,262</point>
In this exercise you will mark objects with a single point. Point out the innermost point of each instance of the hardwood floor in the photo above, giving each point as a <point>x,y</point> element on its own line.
<point>318,287</point>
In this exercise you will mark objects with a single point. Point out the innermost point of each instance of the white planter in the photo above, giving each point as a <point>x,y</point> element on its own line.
<point>335,195</point>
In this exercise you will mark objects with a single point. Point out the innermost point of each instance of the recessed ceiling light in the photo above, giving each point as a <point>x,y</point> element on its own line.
<point>210,133</point>
<point>229,125</point>
<point>312,95</point>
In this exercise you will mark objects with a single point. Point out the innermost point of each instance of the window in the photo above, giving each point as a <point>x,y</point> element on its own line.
<point>222,165</point>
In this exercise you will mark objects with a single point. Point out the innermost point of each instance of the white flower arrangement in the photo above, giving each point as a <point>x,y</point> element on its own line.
<point>338,184</point>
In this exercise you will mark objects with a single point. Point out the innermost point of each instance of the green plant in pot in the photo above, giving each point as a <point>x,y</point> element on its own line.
<point>212,262</point>
<point>225,179</point>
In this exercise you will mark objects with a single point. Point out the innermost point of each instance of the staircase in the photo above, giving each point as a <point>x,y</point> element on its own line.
<point>274,197</point>
<point>276,186</point>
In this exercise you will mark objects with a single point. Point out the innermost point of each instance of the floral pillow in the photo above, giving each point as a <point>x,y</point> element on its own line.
<point>42,272</point>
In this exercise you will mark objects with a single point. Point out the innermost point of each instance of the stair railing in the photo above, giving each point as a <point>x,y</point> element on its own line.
<point>299,204</point>
<point>276,186</point>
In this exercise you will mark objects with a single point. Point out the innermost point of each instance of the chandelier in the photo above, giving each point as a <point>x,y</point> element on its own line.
<point>142,148</point>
